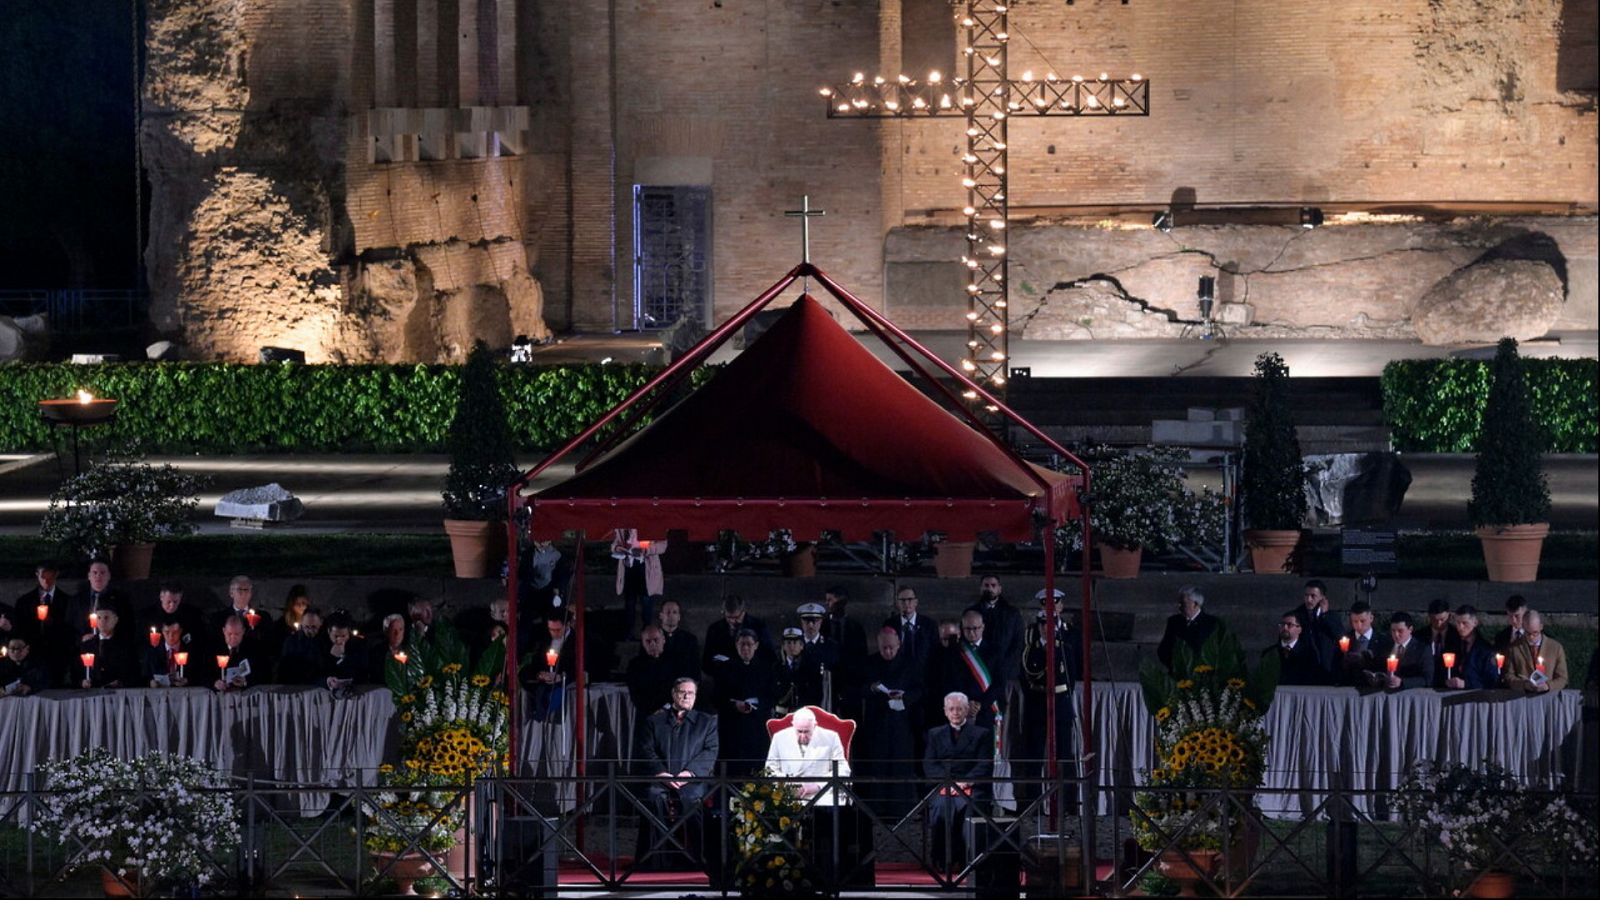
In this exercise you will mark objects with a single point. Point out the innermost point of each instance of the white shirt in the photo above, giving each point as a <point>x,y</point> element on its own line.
<point>786,757</point>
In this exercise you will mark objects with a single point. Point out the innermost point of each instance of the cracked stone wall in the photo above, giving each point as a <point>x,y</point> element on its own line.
<point>1470,280</point>
<point>270,224</point>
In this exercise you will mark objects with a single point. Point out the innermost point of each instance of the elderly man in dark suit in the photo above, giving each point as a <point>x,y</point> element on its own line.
<point>677,746</point>
<point>958,757</point>
<point>1192,625</point>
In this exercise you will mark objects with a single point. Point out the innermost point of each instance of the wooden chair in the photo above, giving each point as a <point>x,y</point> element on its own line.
<point>844,728</point>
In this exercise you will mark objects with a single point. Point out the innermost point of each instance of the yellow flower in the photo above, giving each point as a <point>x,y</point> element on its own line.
<point>406,716</point>
<point>386,768</point>
<point>1202,669</point>
<point>425,682</point>
<point>1185,684</point>
<point>408,698</point>
<point>1236,683</point>
<point>1163,714</point>
<point>1247,702</point>
<point>452,668</point>
<point>784,822</point>
<point>480,681</point>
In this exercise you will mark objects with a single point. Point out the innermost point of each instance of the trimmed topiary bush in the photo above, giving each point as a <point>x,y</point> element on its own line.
<point>1508,484</point>
<point>1272,487</point>
<point>481,459</point>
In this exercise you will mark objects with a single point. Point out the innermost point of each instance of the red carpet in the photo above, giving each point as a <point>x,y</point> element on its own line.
<point>889,874</point>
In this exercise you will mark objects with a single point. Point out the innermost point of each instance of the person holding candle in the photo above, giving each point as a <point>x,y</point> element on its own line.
<point>1516,611</point>
<point>240,664</point>
<point>393,641</point>
<point>1474,667</point>
<point>21,673</point>
<point>115,658</point>
<point>555,655</point>
<point>258,623</point>
<point>161,666</point>
<point>1537,663</point>
<point>1363,649</point>
<point>47,592</point>
<point>1409,664</point>
<point>170,605</point>
<point>1440,636</point>
<point>294,606</point>
<point>301,651</point>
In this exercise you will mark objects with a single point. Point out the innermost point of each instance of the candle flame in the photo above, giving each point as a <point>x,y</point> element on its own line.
<point>84,396</point>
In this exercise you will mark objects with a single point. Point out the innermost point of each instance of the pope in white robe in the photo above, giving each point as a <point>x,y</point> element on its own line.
<point>805,749</point>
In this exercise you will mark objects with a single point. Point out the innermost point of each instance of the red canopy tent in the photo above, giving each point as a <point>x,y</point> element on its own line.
<point>807,431</point>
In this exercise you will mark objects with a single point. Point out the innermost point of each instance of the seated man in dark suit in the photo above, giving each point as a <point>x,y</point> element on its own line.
<point>116,659</point>
<point>1362,649</point>
<point>676,746</point>
<point>1192,625</point>
<point>1301,659</point>
<point>168,663</point>
<point>958,756</point>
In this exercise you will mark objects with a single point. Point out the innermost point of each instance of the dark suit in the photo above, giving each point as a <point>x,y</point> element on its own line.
<point>1475,666</point>
<point>742,736</point>
<point>683,649</point>
<point>1323,631</point>
<point>1438,645</point>
<point>886,742</point>
<point>917,643</point>
<point>353,665</point>
<point>667,743</point>
<point>193,622</point>
<point>116,662</point>
<point>650,681</point>
<point>798,684</point>
<point>952,757</point>
<point>247,651</point>
<point>1357,664</point>
<point>1036,703</point>
<point>719,641</point>
<point>159,661</point>
<point>1416,665</point>
<point>1305,665</point>
<point>1002,628</point>
<point>957,675</point>
<point>1192,632</point>
<point>825,655</point>
<point>31,674</point>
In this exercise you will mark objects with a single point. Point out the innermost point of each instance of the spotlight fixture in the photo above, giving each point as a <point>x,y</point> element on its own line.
<point>1208,296</point>
<point>1163,220</point>
<point>1310,216</point>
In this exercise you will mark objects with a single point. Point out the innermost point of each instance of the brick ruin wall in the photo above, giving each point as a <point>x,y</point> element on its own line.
<point>270,217</point>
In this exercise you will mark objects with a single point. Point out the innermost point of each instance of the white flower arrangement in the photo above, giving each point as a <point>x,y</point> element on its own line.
<point>154,819</point>
<point>1140,499</point>
<point>121,500</point>
<point>1485,818</point>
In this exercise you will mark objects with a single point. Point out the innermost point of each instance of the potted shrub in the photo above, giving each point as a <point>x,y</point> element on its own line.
<point>1140,501</point>
<point>119,508</point>
<point>453,722</point>
<point>1510,505</point>
<point>482,464</point>
<point>1272,487</point>
<point>1211,752</point>
<point>156,822</point>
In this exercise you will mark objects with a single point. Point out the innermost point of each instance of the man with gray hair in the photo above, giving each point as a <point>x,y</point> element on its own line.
<point>1192,625</point>
<point>959,756</point>
<point>807,750</point>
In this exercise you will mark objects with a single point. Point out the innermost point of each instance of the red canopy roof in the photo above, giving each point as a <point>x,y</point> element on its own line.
<point>807,430</point>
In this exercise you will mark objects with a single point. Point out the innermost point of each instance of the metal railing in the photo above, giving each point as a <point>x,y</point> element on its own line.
<point>77,310</point>
<point>520,837</point>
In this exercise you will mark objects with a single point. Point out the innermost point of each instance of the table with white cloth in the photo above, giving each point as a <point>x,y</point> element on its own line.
<point>547,750</point>
<point>292,736</point>
<point>1325,738</point>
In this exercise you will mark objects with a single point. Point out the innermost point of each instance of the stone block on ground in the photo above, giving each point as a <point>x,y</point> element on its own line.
<point>268,503</point>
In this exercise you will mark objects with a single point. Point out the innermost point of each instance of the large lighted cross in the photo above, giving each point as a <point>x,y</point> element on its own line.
<point>987,98</point>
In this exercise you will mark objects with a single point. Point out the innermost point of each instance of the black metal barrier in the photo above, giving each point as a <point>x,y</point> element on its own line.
<point>607,833</point>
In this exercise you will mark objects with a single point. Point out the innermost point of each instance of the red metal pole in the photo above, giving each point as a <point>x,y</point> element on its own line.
<point>514,723</point>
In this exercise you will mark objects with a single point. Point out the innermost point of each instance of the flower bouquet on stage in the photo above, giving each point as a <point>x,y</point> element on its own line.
<point>453,722</point>
<point>769,843</point>
<point>1210,757</point>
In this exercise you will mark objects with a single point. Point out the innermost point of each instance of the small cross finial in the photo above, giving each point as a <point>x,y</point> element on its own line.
<point>804,213</point>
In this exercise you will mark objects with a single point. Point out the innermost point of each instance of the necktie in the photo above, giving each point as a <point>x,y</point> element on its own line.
<point>1361,643</point>
<point>171,665</point>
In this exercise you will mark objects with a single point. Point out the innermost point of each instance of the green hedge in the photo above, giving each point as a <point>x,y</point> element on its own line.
<point>214,407</point>
<point>1436,405</point>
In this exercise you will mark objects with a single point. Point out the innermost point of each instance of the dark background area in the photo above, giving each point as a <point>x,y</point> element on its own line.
<point>68,211</point>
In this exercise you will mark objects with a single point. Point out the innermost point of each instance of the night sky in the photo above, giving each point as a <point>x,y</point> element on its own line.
<point>67,171</point>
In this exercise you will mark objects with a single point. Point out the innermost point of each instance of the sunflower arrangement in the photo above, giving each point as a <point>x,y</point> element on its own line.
<point>1209,737</point>
<point>767,838</point>
<point>453,720</point>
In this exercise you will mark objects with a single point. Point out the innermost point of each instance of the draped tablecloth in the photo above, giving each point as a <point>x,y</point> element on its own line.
<point>300,737</point>
<point>1325,738</point>
<point>547,748</point>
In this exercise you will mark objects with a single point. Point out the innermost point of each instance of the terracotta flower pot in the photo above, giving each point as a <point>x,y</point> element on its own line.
<point>1187,868</point>
<point>953,559</point>
<point>1512,552</point>
<point>403,870</point>
<point>1493,883</point>
<point>1116,562</point>
<point>471,545</point>
<point>1271,550</point>
<point>802,563</point>
<point>131,562</point>
<point>125,886</point>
